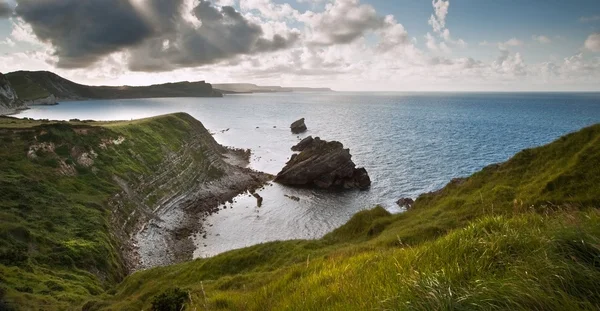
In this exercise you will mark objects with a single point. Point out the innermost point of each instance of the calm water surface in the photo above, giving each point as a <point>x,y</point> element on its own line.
<point>409,143</point>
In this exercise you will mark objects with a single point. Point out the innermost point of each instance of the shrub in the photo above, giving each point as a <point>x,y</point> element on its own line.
<point>170,300</point>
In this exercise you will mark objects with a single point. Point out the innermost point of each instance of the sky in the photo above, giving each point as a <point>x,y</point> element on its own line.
<point>348,45</point>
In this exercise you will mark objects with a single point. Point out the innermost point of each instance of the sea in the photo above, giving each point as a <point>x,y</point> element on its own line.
<point>410,143</point>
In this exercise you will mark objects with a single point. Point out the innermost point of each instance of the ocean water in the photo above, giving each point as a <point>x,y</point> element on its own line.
<point>409,143</point>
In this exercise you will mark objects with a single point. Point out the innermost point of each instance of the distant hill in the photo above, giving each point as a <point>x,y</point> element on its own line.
<point>43,87</point>
<point>253,88</point>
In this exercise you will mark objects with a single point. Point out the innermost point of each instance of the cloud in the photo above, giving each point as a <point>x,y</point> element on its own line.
<point>160,34</point>
<point>510,64</point>
<point>438,23</point>
<point>342,22</point>
<point>83,31</point>
<point>592,43</point>
<point>269,9</point>
<point>438,19</point>
<point>223,34</point>
<point>510,43</point>
<point>8,41</point>
<point>5,9</point>
<point>587,19</point>
<point>541,39</point>
<point>392,35</point>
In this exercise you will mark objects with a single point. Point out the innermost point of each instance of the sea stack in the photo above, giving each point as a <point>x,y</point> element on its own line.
<point>298,127</point>
<point>324,165</point>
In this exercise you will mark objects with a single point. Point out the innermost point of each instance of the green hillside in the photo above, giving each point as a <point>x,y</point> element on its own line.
<point>521,235</point>
<point>59,233</point>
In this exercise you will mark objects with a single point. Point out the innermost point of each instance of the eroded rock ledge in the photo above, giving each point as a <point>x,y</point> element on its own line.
<point>323,164</point>
<point>157,215</point>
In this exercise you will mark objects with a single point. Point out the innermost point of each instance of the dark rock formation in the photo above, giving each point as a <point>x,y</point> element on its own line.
<point>324,165</point>
<point>407,203</point>
<point>303,144</point>
<point>298,127</point>
<point>259,199</point>
<point>293,198</point>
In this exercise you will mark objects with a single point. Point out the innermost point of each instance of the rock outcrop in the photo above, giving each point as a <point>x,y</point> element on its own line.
<point>406,203</point>
<point>323,165</point>
<point>9,101</point>
<point>303,144</point>
<point>49,100</point>
<point>298,126</point>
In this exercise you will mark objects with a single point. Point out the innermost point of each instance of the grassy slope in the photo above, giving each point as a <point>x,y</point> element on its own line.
<point>524,234</point>
<point>56,250</point>
<point>26,88</point>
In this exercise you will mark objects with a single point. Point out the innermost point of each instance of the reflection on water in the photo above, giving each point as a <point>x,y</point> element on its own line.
<point>409,143</point>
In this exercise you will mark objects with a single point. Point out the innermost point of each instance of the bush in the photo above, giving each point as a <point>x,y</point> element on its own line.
<point>170,300</point>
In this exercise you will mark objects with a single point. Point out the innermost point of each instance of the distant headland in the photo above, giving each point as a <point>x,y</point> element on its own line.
<point>21,89</point>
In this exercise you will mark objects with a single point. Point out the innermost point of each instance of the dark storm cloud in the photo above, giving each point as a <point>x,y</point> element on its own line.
<point>5,9</point>
<point>224,34</point>
<point>83,31</point>
<point>157,36</point>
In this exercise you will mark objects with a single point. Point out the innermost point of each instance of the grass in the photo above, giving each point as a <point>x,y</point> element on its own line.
<point>26,88</point>
<point>521,235</point>
<point>58,245</point>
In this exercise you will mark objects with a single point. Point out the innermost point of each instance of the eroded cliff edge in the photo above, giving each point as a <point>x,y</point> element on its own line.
<point>83,204</point>
<point>9,100</point>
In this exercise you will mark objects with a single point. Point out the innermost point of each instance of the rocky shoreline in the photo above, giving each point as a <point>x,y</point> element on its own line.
<point>166,237</point>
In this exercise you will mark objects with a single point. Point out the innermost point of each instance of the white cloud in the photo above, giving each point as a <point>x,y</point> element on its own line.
<point>342,22</point>
<point>510,64</point>
<point>22,32</point>
<point>438,23</point>
<point>270,10</point>
<point>541,39</point>
<point>510,43</point>
<point>438,19</point>
<point>8,42</point>
<point>587,19</point>
<point>592,43</point>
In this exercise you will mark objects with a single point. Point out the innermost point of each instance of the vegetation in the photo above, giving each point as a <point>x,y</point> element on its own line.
<point>57,246</point>
<point>31,85</point>
<point>171,300</point>
<point>521,235</point>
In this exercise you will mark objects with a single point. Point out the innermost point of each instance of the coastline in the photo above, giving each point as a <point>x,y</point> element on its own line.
<point>167,237</point>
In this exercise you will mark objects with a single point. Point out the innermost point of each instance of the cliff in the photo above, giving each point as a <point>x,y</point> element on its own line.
<point>9,100</point>
<point>85,203</point>
<point>43,87</point>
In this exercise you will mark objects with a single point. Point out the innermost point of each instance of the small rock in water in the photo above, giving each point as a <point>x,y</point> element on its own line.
<point>259,199</point>
<point>298,127</point>
<point>295,198</point>
<point>406,203</point>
